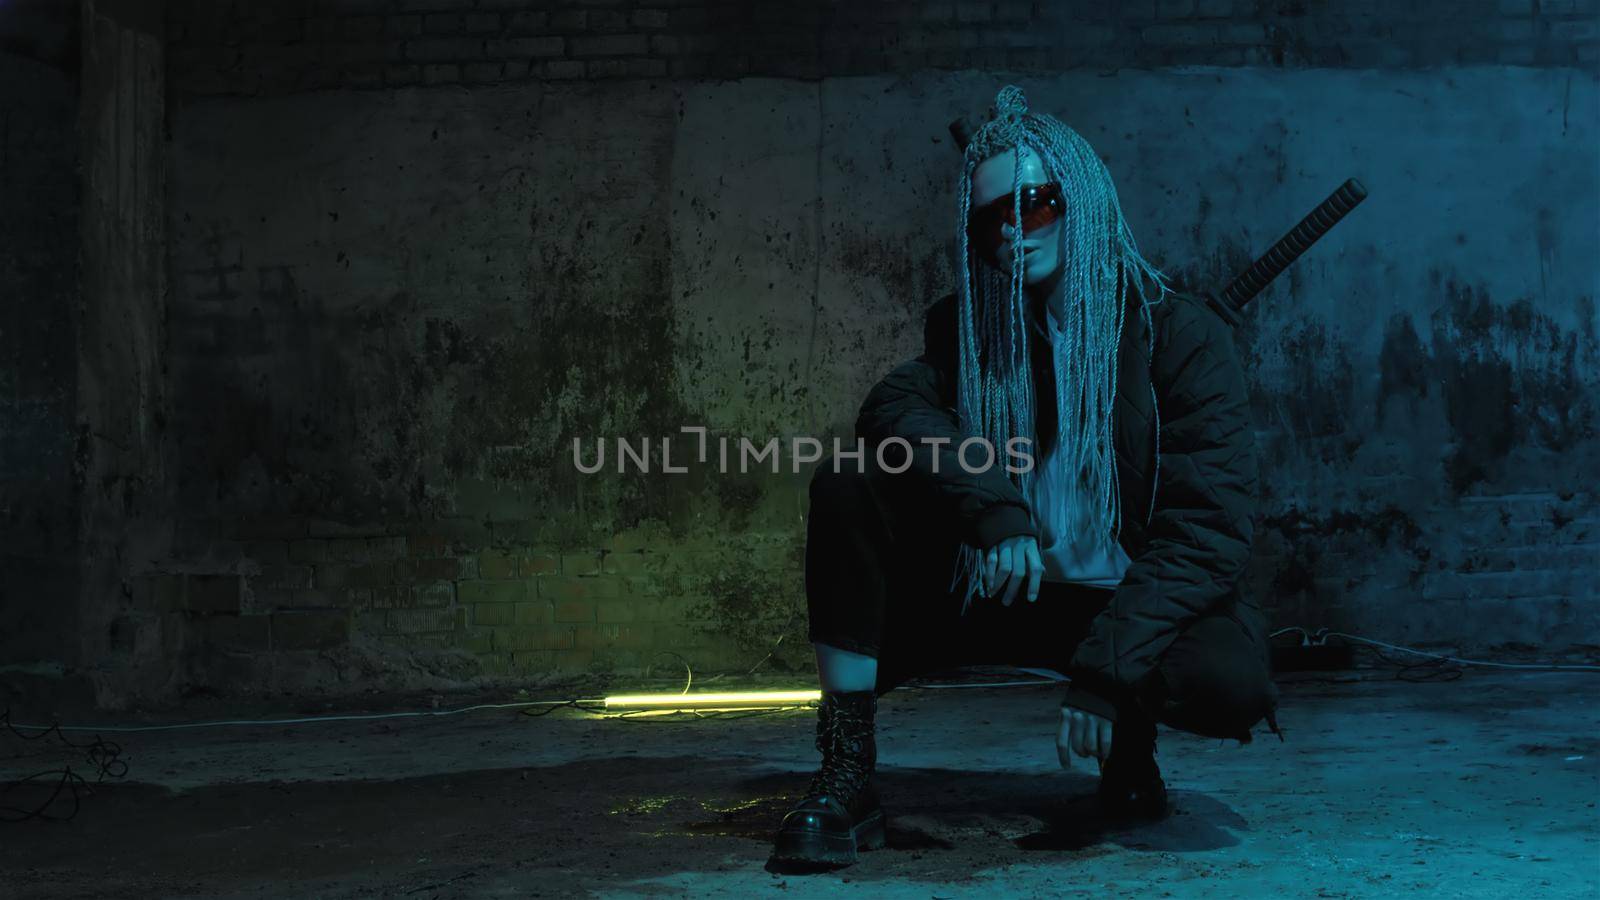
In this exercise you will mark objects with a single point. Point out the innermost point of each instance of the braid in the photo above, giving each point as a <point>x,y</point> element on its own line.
<point>1100,264</point>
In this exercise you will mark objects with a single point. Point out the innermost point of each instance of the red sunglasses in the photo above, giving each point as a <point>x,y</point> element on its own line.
<point>1041,205</point>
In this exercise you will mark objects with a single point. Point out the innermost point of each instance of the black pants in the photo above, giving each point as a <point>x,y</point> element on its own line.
<point>878,561</point>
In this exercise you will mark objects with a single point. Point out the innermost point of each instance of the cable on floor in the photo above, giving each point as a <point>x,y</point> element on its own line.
<point>1321,636</point>
<point>104,756</point>
<point>576,703</point>
<point>307,720</point>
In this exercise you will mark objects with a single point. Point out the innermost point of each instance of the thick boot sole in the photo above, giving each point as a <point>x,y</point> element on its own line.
<point>830,849</point>
<point>1138,812</point>
<point>1144,809</point>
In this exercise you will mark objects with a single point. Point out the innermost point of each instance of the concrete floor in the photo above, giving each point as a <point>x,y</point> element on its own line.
<point>1482,787</point>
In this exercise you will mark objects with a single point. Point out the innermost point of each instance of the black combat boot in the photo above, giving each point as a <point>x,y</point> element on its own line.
<point>1130,782</point>
<point>840,813</point>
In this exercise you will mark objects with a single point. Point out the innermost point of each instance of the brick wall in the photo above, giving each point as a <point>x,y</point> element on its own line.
<point>242,47</point>
<point>253,608</point>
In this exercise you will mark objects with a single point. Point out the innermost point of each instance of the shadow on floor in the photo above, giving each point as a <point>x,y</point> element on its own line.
<point>988,815</point>
<point>600,818</point>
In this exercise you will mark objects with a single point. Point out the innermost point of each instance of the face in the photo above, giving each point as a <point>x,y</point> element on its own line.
<point>992,181</point>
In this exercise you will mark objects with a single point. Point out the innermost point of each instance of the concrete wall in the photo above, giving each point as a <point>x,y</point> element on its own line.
<point>39,214</point>
<point>415,249</point>
<point>82,261</point>
<point>125,648</point>
<point>398,339</point>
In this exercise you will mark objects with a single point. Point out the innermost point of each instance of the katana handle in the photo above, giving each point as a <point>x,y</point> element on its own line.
<point>1288,248</point>
<point>961,129</point>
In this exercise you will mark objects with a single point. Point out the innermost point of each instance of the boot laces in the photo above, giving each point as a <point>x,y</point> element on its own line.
<point>843,741</point>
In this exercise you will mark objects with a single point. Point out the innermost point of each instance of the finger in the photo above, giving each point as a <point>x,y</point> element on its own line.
<point>1035,571</point>
<point>990,561</point>
<point>1078,737</point>
<point>1105,740</point>
<point>1003,570</point>
<point>1091,738</point>
<point>1018,573</point>
<point>1063,741</point>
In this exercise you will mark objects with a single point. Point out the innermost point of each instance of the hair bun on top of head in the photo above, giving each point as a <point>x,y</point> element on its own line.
<point>1004,130</point>
<point>1010,103</point>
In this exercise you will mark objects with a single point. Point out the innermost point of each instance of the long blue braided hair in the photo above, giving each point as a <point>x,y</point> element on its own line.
<point>1101,263</point>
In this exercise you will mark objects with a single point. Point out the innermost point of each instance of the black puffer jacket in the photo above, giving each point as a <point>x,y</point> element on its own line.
<point>1186,512</point>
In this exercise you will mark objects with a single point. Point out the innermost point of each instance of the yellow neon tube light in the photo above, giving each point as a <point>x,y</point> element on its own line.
<point>700,701</point>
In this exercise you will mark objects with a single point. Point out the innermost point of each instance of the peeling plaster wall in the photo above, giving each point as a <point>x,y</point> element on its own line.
<point>400,307</point>
<point>1423,380</point>
<point>437,287</point>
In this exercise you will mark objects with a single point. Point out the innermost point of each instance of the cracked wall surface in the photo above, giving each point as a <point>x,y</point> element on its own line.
<point>443,288</point>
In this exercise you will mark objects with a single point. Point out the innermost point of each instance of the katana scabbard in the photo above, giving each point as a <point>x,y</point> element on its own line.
<point>1287,249</point>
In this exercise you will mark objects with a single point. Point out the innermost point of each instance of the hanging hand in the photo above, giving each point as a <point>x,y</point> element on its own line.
<point>1011,565</point>
<point>1083,733</point>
